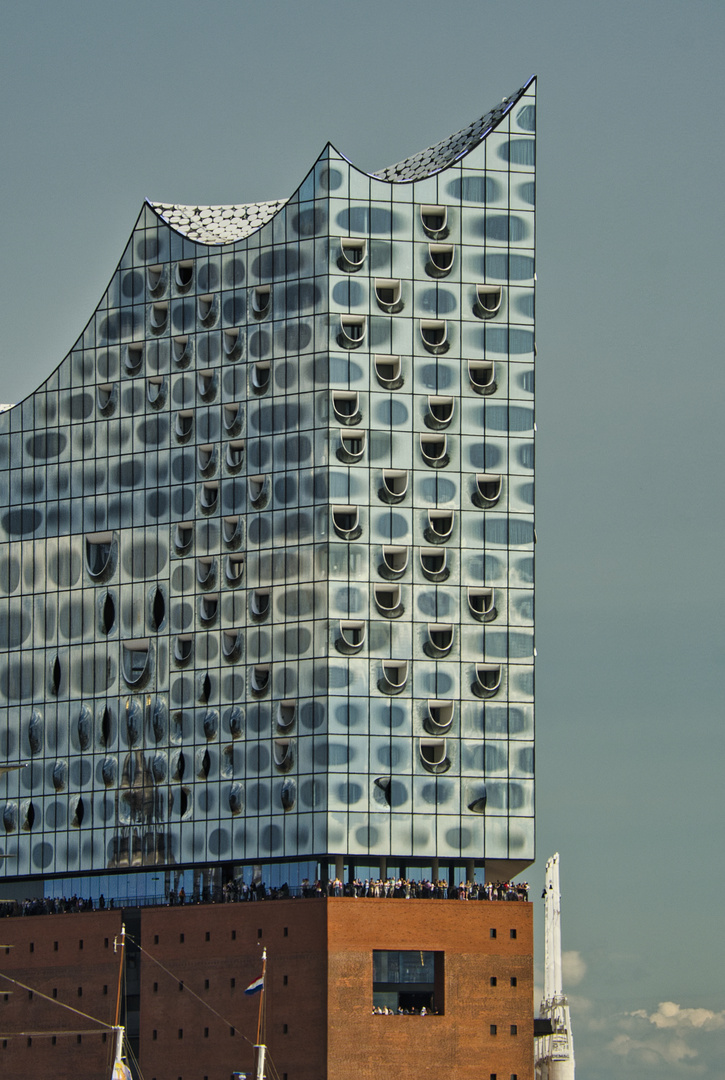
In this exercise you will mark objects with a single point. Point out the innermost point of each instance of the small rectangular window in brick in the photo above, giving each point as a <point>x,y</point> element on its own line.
<point>493,1029</point>
<point>514,980</point>
<point>512,933</point>
<point>492,932</point>
<point>514,1029</point>
<point>494,980</point>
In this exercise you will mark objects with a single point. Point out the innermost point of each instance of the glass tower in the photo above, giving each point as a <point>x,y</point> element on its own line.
<point>267,534</point>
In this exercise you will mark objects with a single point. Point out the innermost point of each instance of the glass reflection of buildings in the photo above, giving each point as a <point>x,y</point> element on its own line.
<point>266,559</point>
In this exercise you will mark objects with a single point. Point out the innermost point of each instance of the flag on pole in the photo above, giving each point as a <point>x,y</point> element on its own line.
<point>256,986</point>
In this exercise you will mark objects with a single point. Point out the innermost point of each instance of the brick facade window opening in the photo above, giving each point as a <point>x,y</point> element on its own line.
<point>408,981</point>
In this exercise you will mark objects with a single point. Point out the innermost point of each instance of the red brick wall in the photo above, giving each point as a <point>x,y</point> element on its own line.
<point>325,1003</point>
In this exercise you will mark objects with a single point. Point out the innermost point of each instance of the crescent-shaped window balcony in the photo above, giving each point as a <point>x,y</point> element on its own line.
<point>434,334</point>
<point>440,526</point>
<point>232,529</point>
<point>286,715</point>
<point>481,604</point>
<point>207,309</point>
<point>231,644</point>
<point>394,677</point>
<point>156,280</point>
<point>482,376</point>
<point>434,220</point>
<point>209,607</point>
<point>352,445</point>
<point>439,640</point>
<point>261,301</point>
<point>135,661</point>
<point>159,317</point>
<point>259,604</point>
<point>440,412</point>
<point>234,569</point>
<point>181,350</point>
<point>346,522</point>
<point>346,406</point>
<point>184,275</point>
<point>283,754</point>
<point>206,384</point>
<point>353,329</point>
<point>389,294</point>
<point>232,340</point>
<point>156,391</point>
<point>206,571</point>
<point>440,260</point>
<point>487,680</point>
<point>488,490</point>
<point>106,398</point>
<point>100,555</point>
<point>183,537</point>
<point>235,454</point>
<point>388,600</point>
<point>434,450</point>
<point>183,648</point>
<point>394,486</point>
<point>233,414</point>
<point>433,756</point>
<point>209,498</point>
<point>206,458</point>
<point>260,376</point>
<point>353,252</point>
<point>133,358</point>
<point>388,371</point>
<point>258,488</point>
<point>488,301</point>
<point>394,561</point>
<point>438,716</point>
<point>259,679</point>
<point>350,636</point>
<point>433,563</point>
<point>184,424</point>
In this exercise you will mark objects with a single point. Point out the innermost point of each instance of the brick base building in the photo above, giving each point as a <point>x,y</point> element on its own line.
<point>330,963</point>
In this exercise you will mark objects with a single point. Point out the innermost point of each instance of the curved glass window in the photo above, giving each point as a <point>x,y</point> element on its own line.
<point>433,755</point>
<point>388,293</point>
<point>232,340</point>
<point>440,412</point>
<point>435,221</point>
<point>286,715</point>
<point>353,329</point>
<point>481,603</point>
<point>234,569</point>
<point>206,458</point>
<point>260,376</point>
<point>395,485</point>
<point>208,607</point>
<point>388,371</point>
<point>438,717</point>
<point>184,274</point>
<point>205,571</point>
<point>134,357</point>
<point>433,562</point>
<point>210,495</point>
<point>106,397</point>
<point>352,254</point>
<point>482,376</point>
<point>100,558</point>
<point>434,333</point>
<point>233,413</point>
<point>206,309</point>
<point>156,390</point>
<point>206,383</point>
<point>351,636</point>
<point>440,526</point>
<point>183,648</point>
<point>155,280</point>
<point>439,640</point>
<point>259,604</point>
<point>259,679</point>
<point>394,561</point>
<point>232,530</point>
<point>488,300</point>
<point>388,600</point>
<point>346,406</point>
<point>440,260</point>
<point>394,678</point>
<point>135,660</point>
<point>283,754</point>
<point>352,445</point>
<point>235,454</point>
<point>434,450</point>
<point>159,317</point>
<point>258,488</point>
<point>184,424</point>
<point>488,489</point>
<point>487,680</point>
<point>183,536</point>
<point>231,644</point>
<point>261,300</point>
<point>346,522</point>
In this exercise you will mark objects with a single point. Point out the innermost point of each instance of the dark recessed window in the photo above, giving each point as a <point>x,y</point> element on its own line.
<point>259,933</point>
<point>181,985</point>
<point>105,988</point>
<point>206,984</point>
<point>514,981</point>
<point>284,1029</point>
<point>181,938</point>
<point>80,991</point>
<point>55,991</point>
<point>284,980</point>
<point>208,936</point>
<point>493,980</point>
<point>492,932</point>
<point>512,933</point>
<point>232,983</point>
<point>105,943</point>
<point>32,946</point>
<point>234,935</point>
<point>55,946</point>
<point>156,988</point>
<point>408,980</point>
<point>154,1034</point>
<point>492,1029</point>
<point>286,931</point>
<point>206,1033</point>
<point>156,939</point>
<point>514,1029</point>
<point>181,1033</point>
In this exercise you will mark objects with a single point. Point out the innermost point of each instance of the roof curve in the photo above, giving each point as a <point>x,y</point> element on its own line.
<point>226,224</point>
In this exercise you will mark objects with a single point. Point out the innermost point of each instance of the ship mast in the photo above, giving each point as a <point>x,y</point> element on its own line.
<point>555,1050</point>
<point>119,1070</point>
<point>260,1046</point>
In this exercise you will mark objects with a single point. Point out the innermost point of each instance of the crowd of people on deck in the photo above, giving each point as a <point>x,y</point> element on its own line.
<point>237,891</point>
<point>385,1010</point>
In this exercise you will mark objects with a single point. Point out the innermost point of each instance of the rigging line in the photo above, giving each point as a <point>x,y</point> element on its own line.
<point>42,1034</point>
<point>54,1001</point>
<point>134,1060</point>
<point>189,991</point>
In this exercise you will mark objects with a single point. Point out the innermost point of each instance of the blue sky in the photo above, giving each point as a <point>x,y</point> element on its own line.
<point>230,102</point>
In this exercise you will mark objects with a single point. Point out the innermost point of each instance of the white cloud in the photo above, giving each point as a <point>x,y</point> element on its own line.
<point>573,967</point>
<point>653,1050</point>
<point>670,1015</point>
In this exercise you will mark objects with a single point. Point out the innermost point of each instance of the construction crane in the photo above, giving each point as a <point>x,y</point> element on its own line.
<point>554,1044</point>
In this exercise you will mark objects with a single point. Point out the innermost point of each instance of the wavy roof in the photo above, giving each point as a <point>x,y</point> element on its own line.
<point>226,224</point>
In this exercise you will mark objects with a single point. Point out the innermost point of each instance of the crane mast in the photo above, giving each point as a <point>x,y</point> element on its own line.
<point>555,1050</point>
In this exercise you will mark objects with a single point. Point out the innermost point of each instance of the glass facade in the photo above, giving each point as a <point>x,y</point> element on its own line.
<point>267,534</point>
